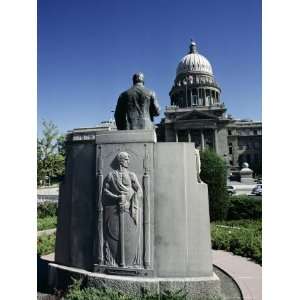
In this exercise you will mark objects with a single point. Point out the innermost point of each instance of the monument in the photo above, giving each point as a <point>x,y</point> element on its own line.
<point>133,213</point>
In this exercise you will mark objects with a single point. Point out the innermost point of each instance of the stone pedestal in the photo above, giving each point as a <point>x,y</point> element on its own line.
<point>159,236</point>
<point>204,287</point>
<point>246,174</point>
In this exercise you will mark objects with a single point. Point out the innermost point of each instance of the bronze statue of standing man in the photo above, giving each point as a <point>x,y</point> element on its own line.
<point>136,107</point>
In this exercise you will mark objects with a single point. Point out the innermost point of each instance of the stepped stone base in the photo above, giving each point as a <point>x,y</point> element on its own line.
<point>166,247</point>
<point>205,287</point>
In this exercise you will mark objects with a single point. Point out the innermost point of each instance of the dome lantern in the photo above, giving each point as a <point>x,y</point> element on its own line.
<point>193,47</point>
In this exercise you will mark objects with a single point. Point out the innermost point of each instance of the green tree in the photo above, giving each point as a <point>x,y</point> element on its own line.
<point>50,154</point>
<point>61,145</point>
<point>214,173</point>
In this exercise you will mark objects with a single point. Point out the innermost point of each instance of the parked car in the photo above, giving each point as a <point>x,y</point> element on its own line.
<point>257,190</point>
<point>231,190</point>
<point>258,181</point>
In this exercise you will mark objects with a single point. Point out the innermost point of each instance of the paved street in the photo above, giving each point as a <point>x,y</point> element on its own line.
<point>51,190</point>
<point>48,193</point>
<point>241,188</point>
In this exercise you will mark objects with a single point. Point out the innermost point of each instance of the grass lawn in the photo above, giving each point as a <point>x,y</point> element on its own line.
<point>46,223</point>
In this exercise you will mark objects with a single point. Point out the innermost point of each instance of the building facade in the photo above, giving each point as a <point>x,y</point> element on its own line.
<point>198,115</point>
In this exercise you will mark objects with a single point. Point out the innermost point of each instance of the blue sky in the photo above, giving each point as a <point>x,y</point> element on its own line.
<point>89,49</point>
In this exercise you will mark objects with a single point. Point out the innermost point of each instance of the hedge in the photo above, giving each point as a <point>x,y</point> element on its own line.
<point>214,173</point>
<point>244,207</point>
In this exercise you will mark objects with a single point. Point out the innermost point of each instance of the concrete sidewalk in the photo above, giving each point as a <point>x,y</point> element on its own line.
<point>246,273</point>
<point>46,232</point>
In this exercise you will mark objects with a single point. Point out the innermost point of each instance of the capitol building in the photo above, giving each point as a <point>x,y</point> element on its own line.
<point>197,114</point>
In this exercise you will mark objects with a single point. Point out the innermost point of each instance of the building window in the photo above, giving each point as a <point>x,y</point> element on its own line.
<point>248,158</point>
<point>230,148</point>
<point>255,132</point>
<point>241,159</point>
<point>229,132</point>
<point>195,100</point>
<point>183,136</point>
<point>180,101</point>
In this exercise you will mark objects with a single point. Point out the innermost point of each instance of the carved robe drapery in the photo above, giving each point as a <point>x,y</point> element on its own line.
<point>117,183</point>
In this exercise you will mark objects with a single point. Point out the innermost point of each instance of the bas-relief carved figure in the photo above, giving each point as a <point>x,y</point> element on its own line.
<point>136,107</point>
<point>122,196</point>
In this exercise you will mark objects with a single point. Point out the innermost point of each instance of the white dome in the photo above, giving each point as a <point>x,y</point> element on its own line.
<point>194,62</point>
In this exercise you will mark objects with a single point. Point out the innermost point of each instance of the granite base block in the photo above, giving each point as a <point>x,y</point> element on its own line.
<point>206,287</point>
<point>247,180</point>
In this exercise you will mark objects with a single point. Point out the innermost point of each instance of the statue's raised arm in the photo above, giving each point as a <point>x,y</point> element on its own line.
<point>136,107</point>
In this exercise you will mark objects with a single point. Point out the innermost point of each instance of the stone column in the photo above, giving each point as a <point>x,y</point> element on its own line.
<point>189,136</point>
<point>176,136</point>
<point>202,141</point>
<point>206,98</point>
<point>216,140</point>
<point>201,97</point>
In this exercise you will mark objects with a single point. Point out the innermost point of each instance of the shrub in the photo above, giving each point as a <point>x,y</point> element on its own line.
<point>45,244</point>
<point>76,291</point>
<point>244,207</point>
<point>47,209</point>
<point>46,223</point>
<point>242,237</point>
<point>214,173</point>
